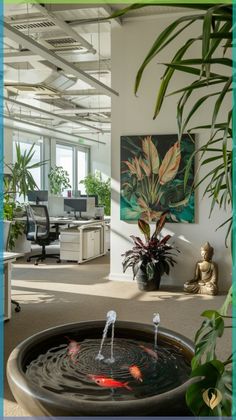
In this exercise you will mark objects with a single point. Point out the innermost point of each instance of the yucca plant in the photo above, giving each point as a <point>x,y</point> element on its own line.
<point>151,258</point>
<point>212,75</point>
<point>19,181</point>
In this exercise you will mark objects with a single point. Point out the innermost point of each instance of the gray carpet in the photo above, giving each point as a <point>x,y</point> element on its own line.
<point>53,294</point>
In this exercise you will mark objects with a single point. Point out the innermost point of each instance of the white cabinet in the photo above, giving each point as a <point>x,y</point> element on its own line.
<point>91,243</point>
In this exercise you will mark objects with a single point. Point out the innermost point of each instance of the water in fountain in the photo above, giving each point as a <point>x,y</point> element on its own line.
<point>140,370</point>
<point>111,319</point>
<point>156,321</point>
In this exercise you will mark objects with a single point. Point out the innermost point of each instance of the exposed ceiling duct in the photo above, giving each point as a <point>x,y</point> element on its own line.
<point>58,61</point>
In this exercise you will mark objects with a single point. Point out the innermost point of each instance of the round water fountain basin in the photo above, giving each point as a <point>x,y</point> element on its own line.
<point>56,372</point>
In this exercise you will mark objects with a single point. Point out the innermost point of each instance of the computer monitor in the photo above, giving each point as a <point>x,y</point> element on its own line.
<point>37,196</point>
<point>91,195</point>
<point>75,205</point>
<point>76,194</point>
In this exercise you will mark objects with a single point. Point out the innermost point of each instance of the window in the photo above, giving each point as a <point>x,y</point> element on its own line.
<point>82,169</point>
<point>64,158</point>
<point>25,145</point>
<point>75,160</point>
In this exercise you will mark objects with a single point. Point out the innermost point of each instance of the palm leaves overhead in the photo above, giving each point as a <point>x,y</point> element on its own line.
<point>212,81</point>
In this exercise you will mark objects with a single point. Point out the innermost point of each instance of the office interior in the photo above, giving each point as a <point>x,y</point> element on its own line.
<point>69,74</point>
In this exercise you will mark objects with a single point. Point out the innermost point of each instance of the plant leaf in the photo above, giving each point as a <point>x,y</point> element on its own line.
<point>170,164</point>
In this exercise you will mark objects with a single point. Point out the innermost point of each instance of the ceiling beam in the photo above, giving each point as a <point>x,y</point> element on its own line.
<point>65,27</point>
<point>34,46</point>
<point>53,131</point>
<point>51,114</point>
<point>83,110</point>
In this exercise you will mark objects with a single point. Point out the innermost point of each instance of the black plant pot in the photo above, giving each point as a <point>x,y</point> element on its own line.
<point>146,284</point>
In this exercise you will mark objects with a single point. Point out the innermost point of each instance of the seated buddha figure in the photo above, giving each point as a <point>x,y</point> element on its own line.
<point>206,279</point>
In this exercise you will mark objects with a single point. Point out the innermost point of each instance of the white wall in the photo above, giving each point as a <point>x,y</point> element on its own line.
<point>133,115</point>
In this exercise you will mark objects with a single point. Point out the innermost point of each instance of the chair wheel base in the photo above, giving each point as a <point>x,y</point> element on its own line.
<point>17,309</point>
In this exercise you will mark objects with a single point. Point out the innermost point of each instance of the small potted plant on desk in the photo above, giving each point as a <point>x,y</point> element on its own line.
<point>151,258</point>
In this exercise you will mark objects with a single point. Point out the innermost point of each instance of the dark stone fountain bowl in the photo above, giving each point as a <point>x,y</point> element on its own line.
<point>38,401</point>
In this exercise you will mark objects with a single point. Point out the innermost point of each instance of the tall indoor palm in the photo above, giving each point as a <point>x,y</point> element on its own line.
<point>213,80</point>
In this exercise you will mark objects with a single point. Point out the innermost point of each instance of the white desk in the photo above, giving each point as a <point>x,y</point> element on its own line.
<point>8,258</point>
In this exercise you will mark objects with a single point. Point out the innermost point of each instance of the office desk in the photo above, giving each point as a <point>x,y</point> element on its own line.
<point>8,258</point>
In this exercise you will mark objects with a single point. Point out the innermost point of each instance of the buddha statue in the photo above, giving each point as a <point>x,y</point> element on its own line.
<point>206,279</point>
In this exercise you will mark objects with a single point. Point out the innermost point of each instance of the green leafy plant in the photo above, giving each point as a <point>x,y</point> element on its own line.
<point>19,181</point>
<point>59,180</point>
<point>152,255</point>
<point>212,80</point>
<point>94,184</point>
<point>214,376</point>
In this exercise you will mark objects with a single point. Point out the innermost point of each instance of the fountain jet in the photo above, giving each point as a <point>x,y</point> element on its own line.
<point>111,319</point>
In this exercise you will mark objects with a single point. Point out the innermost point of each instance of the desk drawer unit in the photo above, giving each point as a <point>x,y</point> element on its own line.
<point>70,245</point>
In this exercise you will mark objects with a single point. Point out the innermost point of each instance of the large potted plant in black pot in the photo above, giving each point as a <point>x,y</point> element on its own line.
<point>150,258</point>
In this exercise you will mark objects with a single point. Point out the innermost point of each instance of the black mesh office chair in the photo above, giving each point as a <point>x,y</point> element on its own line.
<point>38,231</point>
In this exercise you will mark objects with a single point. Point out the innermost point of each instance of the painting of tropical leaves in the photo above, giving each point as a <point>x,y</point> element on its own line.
<point>152,178</point>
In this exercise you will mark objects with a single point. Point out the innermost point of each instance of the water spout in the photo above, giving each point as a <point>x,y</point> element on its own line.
<point>111,319</point>
<point>156,321</point>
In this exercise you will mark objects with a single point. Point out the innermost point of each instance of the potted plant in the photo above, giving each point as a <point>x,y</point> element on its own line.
<point>59,180</point>
<point>94,184</point>
<point>151,258</point>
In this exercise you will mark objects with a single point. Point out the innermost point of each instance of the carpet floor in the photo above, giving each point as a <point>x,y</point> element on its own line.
<point>52,294</point>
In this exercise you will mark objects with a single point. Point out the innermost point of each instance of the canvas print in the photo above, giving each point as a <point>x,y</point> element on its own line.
<point>152,178</point>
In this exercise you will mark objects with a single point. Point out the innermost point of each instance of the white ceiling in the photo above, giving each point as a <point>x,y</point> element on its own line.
<point>57,65</point>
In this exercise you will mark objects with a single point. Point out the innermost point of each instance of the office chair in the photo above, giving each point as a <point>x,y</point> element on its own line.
<point>38,231</point>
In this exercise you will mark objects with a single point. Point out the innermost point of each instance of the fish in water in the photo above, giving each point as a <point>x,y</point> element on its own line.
<point>73,348</point>
<point>149,351</point>
<point>105,382</point>
<point>136,372</point>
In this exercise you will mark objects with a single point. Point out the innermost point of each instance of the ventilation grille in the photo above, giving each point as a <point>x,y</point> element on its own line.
<point>62,44</point>
<point>33,25</point>
<point>35,89</point>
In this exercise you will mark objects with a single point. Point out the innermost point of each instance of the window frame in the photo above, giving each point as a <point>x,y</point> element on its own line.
<point>75,149</point>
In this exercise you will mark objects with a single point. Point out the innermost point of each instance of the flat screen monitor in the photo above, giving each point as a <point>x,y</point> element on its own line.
<point>76,193</point>
<point>91,195</point>
<point>75,205</point>
<point>37,196</point>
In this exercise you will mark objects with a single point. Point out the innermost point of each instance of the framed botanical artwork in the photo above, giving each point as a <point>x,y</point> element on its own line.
<point>152,177</point>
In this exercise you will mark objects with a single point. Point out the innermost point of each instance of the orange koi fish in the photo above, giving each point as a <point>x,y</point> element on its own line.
<point>109,382</point>
<point>73,348</point>
<point>136,373</point>
<point>149,351</point>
